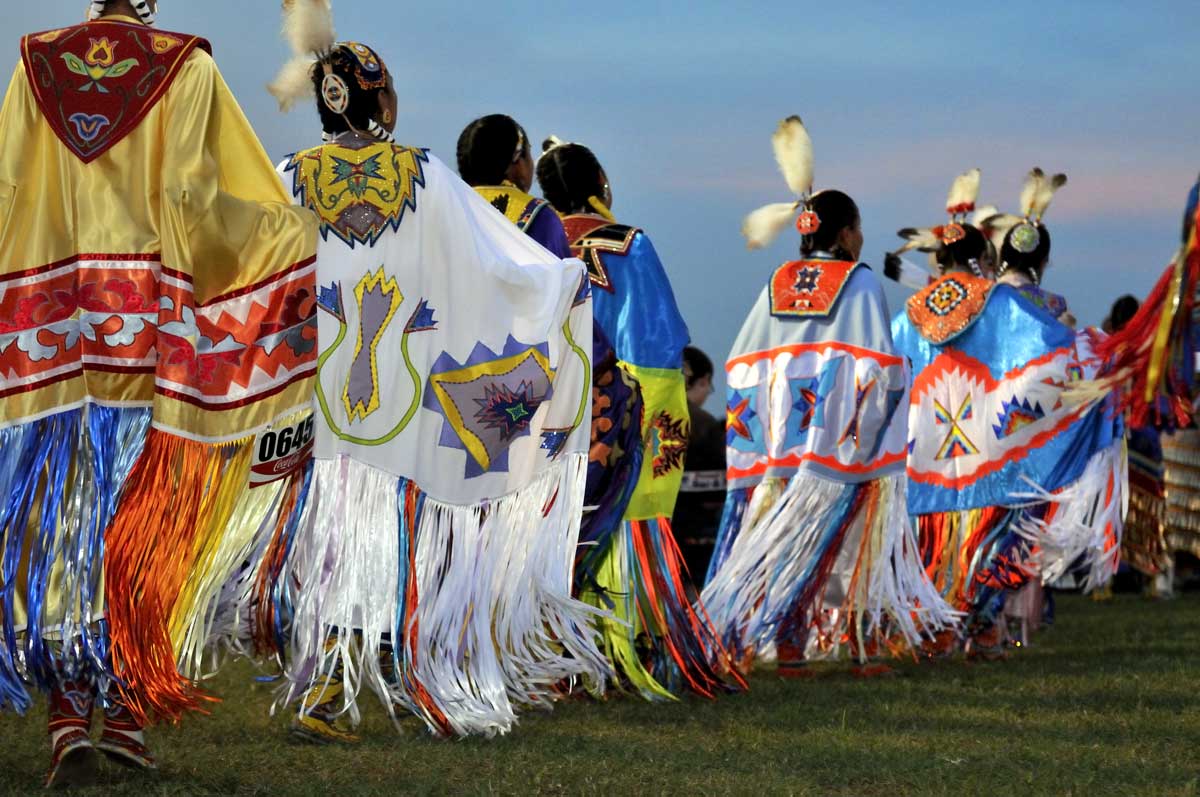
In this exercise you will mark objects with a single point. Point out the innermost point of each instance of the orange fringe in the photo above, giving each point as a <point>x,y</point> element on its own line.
<point>705,663</point>
<point>150,548</point>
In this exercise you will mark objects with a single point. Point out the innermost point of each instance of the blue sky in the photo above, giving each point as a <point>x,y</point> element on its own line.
<point>679,102</point>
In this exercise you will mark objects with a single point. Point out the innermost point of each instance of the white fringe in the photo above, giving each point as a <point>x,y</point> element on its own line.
<point>1078,528</point>
<point>746,596</point>
<point>497,628</point>
<point>900,590</point>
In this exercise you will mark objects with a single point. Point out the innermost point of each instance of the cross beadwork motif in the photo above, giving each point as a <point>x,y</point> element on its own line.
<point>956,442</point>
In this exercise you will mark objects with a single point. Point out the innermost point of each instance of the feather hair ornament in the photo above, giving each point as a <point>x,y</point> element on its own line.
<point>1046,192</point>
<point>905,272</point>
<point>1036,194</point>
<point>923,239</point>
<point>964,192</point>
<point>960,200</point>
<point>1038,191</point>
<point>1029,191</point>
<point>308,29</point>
<point>794,155</point>
<point>994,225</point>
<point>308,26</point>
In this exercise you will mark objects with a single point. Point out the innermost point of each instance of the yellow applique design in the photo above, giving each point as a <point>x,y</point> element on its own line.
<point>358,193</point>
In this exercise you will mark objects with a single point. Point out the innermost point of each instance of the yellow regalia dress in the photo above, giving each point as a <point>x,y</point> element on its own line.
<point>156,319</point>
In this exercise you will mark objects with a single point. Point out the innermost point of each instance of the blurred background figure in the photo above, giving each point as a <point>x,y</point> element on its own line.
<point>1143,544</point>
<point>702,494</point>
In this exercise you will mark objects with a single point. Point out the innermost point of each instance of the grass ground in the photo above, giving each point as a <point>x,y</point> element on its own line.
<point>1105,702</point>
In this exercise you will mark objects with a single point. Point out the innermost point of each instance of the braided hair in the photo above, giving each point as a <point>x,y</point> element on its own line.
<point>142,7</point>
<point>570,176</point>
<point>363,91</point>
<point>836,211</point>
<point>488,147</point>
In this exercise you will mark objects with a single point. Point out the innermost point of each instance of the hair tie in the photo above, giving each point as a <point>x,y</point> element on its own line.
<point>602,209</point>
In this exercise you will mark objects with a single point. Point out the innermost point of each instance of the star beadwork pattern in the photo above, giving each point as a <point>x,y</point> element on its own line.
<point>508,410</point>
<point>807,279</point>
<point>738,414</point>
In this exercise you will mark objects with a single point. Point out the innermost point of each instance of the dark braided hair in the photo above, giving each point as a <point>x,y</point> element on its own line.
<point>1030,264</point>
<point>972,246</point>
<point>569,175</point>
<point>364,103</point>
<point>487,149</point>
<point>836,211</point>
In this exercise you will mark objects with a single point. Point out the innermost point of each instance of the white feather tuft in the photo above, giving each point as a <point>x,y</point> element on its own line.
<point>1029,191</point>
<point>794,154</point>
<point>994,224</point>
<point>970,190</point>
<point>308,26</point>
<point>983,213</point>
<point>907,273</point>
<point>922,239</point>
<point>1046,193</point>
<point>293,83</point>
<point>764,225</point>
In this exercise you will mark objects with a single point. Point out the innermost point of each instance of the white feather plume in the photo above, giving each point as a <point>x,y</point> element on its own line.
<point>982,214</point>
<point>994,224</point>
<point>1030,190</point>
<point>764,225</point>
<point>308,26</point>
<point>794,154</point>
<point>963,192</point>
<point>970,190</point>
<point>922,239</point>
<point>293,83</point>
<point>1046,192</point>
<point>907,273</point>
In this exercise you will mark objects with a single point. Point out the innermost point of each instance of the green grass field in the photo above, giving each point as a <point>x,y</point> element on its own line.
<point>1105,702</point>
